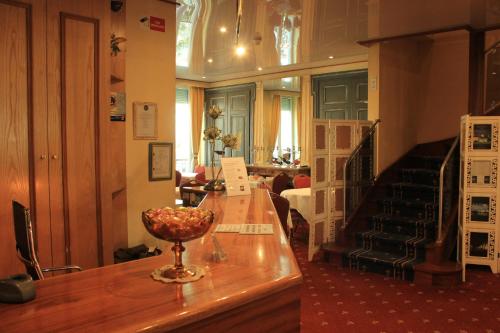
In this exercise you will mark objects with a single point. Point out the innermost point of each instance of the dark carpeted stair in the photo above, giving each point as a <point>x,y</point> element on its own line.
<point>403,222</point>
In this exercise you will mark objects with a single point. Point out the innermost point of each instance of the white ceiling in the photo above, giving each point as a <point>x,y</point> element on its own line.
<point>283,34</point>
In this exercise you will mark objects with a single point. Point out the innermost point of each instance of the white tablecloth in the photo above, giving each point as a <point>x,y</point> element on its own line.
<point>256,181</point>
<point>188,176</point>
<point>299,200</point>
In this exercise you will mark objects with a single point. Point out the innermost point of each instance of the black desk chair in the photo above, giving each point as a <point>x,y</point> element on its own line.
<point>178,178</point>
<point>25,244</point>
<point>282,207</point>
<point>280,183</point>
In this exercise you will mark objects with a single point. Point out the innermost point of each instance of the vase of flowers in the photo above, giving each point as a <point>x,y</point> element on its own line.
<point>212,135</point>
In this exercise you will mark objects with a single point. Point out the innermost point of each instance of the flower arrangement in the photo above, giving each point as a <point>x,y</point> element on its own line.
<point>230,141</point>
<point>212,134</point>
<point>214,111</point>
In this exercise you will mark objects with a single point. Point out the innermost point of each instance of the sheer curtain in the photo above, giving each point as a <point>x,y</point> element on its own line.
<point>197,96</point>
<point>274,124</point>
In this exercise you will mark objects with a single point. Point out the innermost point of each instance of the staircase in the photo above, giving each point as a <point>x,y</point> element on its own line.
<point>396,224</point>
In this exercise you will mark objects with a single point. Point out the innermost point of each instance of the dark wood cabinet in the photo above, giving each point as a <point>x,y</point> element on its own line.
<point>236,104</point>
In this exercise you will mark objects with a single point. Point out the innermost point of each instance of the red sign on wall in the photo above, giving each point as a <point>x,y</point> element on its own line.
<point>156,24</point>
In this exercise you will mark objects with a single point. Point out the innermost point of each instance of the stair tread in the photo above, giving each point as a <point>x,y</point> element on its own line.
<point>402,219</point>
<point>409,203</point>
<point>424,170</point>
<point>429,157</point>
<point>423,186</point>
<point>390,236</point>
<point>379,256</point>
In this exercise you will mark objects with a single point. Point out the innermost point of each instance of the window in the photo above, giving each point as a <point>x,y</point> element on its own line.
<point>287,138</point>
<point>186,15</point>
<point>183,151</point>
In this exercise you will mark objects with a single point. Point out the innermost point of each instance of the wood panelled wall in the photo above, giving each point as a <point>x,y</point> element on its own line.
<point>54,122</point>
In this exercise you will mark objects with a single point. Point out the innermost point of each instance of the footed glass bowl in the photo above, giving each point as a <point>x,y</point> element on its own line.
<point>177,226</point>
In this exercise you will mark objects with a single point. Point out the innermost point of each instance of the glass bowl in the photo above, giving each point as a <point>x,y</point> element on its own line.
<point>177,226</point>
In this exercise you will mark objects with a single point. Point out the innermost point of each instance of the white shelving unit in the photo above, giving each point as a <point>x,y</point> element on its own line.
<point>479,226</point>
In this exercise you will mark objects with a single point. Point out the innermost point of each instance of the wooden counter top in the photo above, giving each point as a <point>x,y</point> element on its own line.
<point>258,285</point>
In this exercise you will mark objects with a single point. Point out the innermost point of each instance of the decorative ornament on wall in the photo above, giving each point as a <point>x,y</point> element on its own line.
<point>115,44</point>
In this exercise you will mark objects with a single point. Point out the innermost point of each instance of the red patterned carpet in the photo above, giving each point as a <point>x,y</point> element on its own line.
<point>335,299</point>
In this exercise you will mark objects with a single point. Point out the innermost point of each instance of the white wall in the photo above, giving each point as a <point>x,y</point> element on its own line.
<point>421,91</point>
<point>150,73</point>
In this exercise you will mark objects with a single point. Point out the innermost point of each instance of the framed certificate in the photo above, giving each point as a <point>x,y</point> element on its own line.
<point>160,161</point>
<point>145,120</point>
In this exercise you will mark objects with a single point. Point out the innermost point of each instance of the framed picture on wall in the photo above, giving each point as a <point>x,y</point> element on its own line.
<point>145,120</point>
<point>160,161</point>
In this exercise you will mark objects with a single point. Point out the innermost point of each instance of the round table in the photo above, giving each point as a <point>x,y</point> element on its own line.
<point>299,199</point>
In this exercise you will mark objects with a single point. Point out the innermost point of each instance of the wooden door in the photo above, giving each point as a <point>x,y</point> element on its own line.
<point>236,104</point>
<point>359,98</point>
<point>23,130</point>
<point>239,122</point>
<point>342,96</point>
<point>78,90</point>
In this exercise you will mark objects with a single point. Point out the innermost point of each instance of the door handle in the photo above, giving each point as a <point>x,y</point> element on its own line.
<point>43,157</point>
<point>55,157</point>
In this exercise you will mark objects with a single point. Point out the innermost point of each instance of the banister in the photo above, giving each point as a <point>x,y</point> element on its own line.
<point>349,159</point>
<point>441,188</point>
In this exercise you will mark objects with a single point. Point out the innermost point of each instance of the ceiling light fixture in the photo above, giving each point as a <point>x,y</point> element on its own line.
<point>203,77</point>
<point>259,68</point>
<point>330,57</point>
<point>223,29</point>
<point>239,14</point>
<point>210,60</point>
<point>240,50</point>
<point>283,87</point>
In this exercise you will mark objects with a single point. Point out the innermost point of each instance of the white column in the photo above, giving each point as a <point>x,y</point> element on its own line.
<point>307,113</point>
<point>258,124</point>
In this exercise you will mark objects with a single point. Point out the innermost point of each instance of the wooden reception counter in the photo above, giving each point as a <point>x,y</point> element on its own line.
<point>255,290</point>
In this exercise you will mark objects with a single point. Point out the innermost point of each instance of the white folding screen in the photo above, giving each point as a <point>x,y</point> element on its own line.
<point>333,142</point>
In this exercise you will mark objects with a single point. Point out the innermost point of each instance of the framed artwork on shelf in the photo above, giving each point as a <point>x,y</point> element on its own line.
<point>480,244</point>
<point>145,120</point>
<point>481,208</point>
<point>482,136</point>
<point>160,161</point>
<point>482,172</point>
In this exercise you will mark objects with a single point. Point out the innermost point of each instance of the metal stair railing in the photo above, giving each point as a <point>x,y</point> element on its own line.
<point>448,185</point>
<point>358,172</point>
